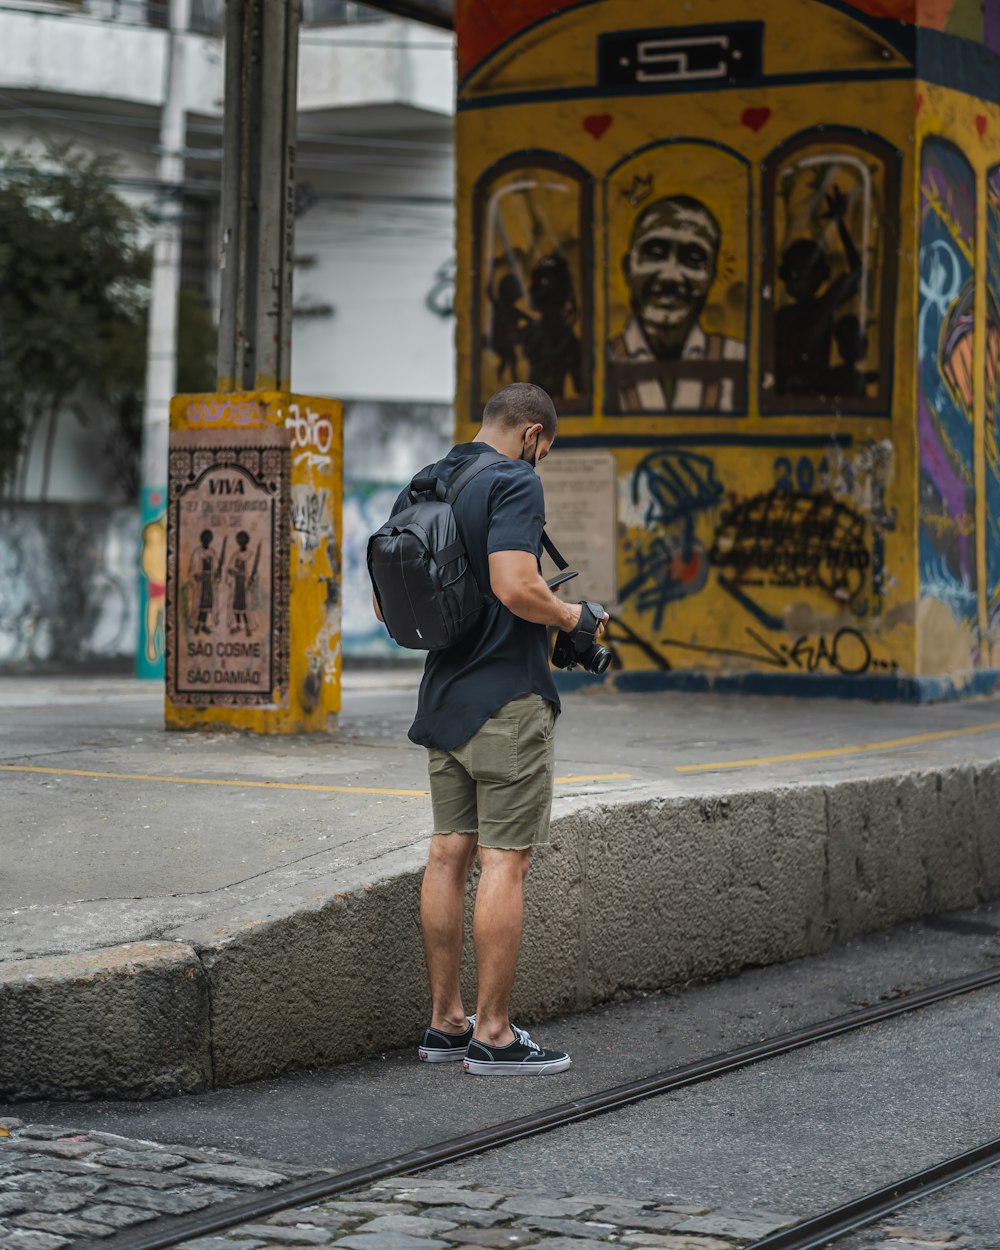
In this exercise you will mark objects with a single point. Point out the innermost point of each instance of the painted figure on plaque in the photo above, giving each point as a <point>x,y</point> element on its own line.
<point>667,362</point>
<point>850,377</point>
<point>804,327</point>
<point>206,573</point>
<point>507,324</point>
<point>551,344</point>
<point>241,577</point>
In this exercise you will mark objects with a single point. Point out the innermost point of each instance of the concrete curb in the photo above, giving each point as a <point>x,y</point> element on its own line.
<point>633,895</point>
<point>126,1022</point>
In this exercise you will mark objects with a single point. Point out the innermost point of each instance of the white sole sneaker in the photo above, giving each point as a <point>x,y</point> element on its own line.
<point>440,1056</point>
<point>524,1067</point>
<point>452,1048</point>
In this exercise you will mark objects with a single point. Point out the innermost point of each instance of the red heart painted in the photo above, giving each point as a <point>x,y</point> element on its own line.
<point>981,124</point>
<point>756,119</point>
<point>918,104</point>
<point>597,123</point>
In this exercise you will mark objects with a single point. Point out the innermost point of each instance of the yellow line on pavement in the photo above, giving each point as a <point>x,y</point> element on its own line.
<point>208,781</point>
<point>833,752</point>
<point>571,777</point>
<point>261,785</point>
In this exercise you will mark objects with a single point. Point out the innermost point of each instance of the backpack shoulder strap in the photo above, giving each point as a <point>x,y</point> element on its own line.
<point>465,476</point>
<point>459,482</point>
<point>483,461</point>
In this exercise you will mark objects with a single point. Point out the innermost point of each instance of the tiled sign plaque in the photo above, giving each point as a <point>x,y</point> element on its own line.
<point>228,557</point>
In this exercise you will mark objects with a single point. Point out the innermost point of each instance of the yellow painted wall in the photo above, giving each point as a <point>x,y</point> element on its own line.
<point>293,619</point>
<point>767,513</point>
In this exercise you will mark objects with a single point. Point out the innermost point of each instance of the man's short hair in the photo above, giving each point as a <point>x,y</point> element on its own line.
<point>520,404</point>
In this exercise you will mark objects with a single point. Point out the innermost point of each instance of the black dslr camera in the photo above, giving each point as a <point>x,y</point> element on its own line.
<point>580,647</point>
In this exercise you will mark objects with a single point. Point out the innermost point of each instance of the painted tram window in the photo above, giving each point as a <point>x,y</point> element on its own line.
<point>829,272</point>
<point>533,302</point>
<point>678,248</point>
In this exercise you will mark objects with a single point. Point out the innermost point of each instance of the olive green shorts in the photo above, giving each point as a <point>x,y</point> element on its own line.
<point>499,783</point>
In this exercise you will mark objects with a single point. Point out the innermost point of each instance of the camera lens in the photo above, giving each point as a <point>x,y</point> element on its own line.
<point>599,659</point>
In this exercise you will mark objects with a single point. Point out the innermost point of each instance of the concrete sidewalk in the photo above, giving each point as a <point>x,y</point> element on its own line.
<point>181,910</point>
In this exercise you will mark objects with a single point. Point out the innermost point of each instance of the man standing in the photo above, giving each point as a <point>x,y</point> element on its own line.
<point>663,360</point>
<point>486,713</point>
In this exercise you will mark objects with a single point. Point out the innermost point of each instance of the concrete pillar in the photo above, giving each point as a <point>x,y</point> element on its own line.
<point>161,354</point>
<point>753,250</point>
<point>253,562</point>
<point>255,475</point>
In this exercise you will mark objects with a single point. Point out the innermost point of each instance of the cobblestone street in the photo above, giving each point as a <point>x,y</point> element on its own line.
<point>61,1187</point>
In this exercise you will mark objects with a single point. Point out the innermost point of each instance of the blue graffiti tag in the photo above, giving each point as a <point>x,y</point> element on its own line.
<point>672,488</point>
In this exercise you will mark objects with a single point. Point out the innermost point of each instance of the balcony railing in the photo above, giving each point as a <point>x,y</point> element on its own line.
<point>207,16</point>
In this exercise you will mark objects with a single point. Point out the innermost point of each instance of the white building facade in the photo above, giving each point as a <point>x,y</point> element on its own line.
<point>373,280</point>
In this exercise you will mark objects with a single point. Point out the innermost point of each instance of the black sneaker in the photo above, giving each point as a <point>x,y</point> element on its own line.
<point>521,1057</point>
<point>438,1047</point>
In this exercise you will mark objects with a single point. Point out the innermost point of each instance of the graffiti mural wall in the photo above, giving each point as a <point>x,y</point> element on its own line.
<point>991,421</point>
<point>945,414</point>
<point>766,298</point>
<point>68,586</point>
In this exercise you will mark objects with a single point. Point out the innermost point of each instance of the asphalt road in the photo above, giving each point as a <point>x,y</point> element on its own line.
<point>360,1112</point>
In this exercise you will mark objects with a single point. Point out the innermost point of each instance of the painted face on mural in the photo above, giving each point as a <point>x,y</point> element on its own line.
<point>671,265</point>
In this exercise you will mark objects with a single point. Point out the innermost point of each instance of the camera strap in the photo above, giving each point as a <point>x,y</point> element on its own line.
<point>554,553</point>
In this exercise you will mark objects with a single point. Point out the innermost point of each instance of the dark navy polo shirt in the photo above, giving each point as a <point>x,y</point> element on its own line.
<point>503,656</point>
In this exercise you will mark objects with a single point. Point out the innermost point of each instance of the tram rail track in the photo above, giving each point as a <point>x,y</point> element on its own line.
<point>811,1233</point>
<point>828,1227</point>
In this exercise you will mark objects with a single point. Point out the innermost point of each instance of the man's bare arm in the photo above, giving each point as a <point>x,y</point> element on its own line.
<point>376,608</point>
<point>517,583</point>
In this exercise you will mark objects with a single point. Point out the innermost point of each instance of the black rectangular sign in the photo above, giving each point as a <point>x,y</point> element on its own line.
<point>684,58</point>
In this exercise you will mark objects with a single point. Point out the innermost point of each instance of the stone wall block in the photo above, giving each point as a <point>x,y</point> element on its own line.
<point>987,794</point>
<point>949,847</point>
<point>874,876</point>
<point>549,980</point>
<point>125,1022</point>
<point>322,985</point>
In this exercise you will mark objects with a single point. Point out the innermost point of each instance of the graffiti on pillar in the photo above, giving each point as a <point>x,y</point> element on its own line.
<point>945,333</point>
<point>992,423</point>
<point>793,540</point>
<point>532,309</point>
<point>678,253</point>
<point>753,277</point>
<point>672,496</point>
<point>831,203</point>
<point>152,584</point>
<point>227,555</point>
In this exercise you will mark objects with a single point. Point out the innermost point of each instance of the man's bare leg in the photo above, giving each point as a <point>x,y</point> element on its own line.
<point>442,919</point>
<point>497,924</point>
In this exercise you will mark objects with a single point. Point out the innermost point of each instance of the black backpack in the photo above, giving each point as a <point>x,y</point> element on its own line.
<point>426,590</point>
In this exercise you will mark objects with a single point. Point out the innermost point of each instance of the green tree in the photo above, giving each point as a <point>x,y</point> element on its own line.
<point>73,294</point>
